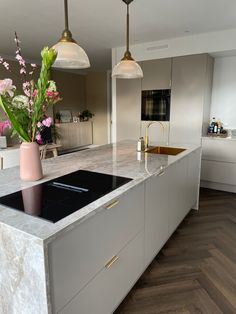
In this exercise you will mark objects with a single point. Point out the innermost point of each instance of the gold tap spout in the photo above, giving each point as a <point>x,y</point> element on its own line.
<point>147,131</point>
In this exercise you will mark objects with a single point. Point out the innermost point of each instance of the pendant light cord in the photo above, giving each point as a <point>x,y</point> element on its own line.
<point>127,29</point>
<point>66,34</point>
<point>66,15</point>
<point>127,68</point>
<point>127,55</point>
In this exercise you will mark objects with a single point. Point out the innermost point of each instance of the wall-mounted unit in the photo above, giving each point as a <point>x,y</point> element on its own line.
<point>156,105</point>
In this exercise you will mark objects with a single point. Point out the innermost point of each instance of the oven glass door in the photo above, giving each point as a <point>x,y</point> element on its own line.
<point>156,105</point>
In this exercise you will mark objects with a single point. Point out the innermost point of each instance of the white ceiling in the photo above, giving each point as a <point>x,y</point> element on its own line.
<point>99,25</point>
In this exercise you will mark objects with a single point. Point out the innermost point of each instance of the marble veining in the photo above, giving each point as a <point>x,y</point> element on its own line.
<point>22,271</point>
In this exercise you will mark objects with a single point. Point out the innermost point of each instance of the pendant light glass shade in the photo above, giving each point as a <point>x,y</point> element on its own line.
<point>127,68</point>
<point>69,54</point>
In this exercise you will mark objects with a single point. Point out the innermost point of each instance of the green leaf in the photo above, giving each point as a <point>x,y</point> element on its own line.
<point>16,125</point>
<point>48,58</point>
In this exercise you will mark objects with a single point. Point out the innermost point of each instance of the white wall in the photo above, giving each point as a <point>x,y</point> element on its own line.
<point>223,104</point>
<point>72,88</point>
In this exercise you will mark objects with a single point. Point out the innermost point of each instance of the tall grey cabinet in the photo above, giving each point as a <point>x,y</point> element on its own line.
<point>128,109</point>
<point>190,80</point>
<point>190,98</point>
<point>157,75</point>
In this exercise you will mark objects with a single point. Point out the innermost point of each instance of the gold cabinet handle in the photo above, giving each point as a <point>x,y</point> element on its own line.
<point>161,173</point>
<point>112,261</point>
<point>112,204</point>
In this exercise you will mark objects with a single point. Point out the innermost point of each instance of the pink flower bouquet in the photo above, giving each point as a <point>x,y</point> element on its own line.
<point>25,110</point>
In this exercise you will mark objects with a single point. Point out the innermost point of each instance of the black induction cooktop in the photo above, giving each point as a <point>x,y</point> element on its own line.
<point>60,197</point>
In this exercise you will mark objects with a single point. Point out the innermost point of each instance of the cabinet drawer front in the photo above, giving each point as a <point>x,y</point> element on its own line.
<point>11,158</point>
<point>77,256</point>
<point>104,293</point>
<point>218,150</point>
<point>156,214</point>
<point>73,135</point>
<point>220,172</point>
<point>178,203</point>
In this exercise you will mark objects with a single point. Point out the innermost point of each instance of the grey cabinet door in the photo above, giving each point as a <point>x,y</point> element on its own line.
<point>128,109</point>
<point>190,83</point>
<point>156,74</point>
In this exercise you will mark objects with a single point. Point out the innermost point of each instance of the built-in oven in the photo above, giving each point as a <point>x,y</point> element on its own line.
<point>156,105</point>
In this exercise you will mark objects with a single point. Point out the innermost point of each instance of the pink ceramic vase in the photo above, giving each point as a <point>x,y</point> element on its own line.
<point>30,163</point>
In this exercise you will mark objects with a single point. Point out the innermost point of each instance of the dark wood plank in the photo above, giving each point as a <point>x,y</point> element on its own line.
<point>196,270</point>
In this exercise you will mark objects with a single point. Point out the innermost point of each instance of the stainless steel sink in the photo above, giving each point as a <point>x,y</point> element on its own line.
<point>162,150</point>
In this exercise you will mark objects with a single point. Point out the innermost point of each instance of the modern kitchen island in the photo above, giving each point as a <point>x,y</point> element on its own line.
<point>87,262</point>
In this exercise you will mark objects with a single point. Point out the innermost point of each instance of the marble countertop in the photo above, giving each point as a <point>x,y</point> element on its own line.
<point>8,148</point>
<point>218,138</point>
<point>120,159</point>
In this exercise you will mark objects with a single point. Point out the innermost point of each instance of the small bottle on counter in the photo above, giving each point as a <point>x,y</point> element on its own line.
<point>219,127</point>
<point>212,126</point>
<point>215,125</point>
<point>140,145</point>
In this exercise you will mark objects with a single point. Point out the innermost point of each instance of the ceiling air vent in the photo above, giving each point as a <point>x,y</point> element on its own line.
<point>160,47</point>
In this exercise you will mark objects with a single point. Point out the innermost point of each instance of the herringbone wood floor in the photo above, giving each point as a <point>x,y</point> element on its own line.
<point>196,270</point>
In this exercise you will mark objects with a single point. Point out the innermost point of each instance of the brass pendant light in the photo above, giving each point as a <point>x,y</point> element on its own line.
<point>69,54</point>
<point>127,68</point>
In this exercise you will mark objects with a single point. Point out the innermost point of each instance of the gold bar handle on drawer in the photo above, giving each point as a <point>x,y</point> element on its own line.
<point>161,173</point>
<point>112,261</point>
<point>112,204</point>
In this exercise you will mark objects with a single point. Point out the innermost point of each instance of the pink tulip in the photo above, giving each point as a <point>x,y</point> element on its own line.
<point>35,92</point>
<point>49,93</point>
<point>6,124</point>
<point>53,96</point>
